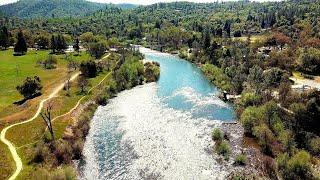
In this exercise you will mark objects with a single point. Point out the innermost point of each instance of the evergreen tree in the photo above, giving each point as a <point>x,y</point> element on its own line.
<point>206,40</point>
<point>21,45</point>
<point>4,38</point>
<point>76,46</point>
<point>61,43</point>
<point>53,44</point>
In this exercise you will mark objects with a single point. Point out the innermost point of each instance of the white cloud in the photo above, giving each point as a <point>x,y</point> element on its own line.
<point>6,1</point>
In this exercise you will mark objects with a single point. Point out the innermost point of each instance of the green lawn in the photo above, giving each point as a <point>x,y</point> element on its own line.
<point>27,135</point>
<point>14,70</point>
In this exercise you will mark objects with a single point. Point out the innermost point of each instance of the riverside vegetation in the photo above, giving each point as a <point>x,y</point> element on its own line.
<point>245,48</point>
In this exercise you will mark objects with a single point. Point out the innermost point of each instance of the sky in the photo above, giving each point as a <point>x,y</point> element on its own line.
<point>143,2</point>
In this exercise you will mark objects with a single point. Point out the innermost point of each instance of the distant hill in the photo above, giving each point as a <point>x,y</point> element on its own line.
<point>51,8</point>
<point>126,6</point>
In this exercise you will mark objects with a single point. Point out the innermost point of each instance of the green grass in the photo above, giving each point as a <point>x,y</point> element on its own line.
<point>27,135</point>
<point>297,75</point>
<point>14,70</point>
<point>6,162</point>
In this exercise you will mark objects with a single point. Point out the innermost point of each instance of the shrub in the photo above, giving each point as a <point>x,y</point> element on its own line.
<point>152,71</point>
<point>270,167</point>
<point>77,147</point>
<point>265,137</point>
<point>250,99</point>
<point>41,152</point>
<point>48,63</point>
<point>241,160</point>
<point>223,149</point>
<point>251,117</point>
<point>296,167</point>
<point>314,145</point>
<point>89,69</point>
<point>63,152</point>
<point>63,174</point>
<point>217,135</point>
<point>217,76</point>
<point>102,99</point>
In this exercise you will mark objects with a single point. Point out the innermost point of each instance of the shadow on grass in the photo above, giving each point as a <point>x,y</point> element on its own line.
<point>26,99</point>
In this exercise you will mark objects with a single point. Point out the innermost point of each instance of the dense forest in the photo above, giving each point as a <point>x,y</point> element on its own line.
<point>59,8</point>
<point>245,48</point>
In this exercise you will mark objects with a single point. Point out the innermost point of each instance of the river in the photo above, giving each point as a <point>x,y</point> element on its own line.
<point>158,130</point>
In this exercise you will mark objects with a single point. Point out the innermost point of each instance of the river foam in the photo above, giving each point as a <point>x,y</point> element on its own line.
<point>150,140</point>
<point>159,130</point>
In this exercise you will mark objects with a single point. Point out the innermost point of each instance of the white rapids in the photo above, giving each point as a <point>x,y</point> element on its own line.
<point>165,143</point>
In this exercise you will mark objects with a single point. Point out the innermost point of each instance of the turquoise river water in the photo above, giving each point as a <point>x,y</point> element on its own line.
<point>158,130</point>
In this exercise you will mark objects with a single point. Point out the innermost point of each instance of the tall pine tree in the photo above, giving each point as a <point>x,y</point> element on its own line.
<point>53,44</point>
<point>21,45</point>
<point>61,43</point>
<point>76,46</point>
<point>4,38</point>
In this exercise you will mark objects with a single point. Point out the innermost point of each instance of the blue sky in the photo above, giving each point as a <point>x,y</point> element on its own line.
<point>144,2</point>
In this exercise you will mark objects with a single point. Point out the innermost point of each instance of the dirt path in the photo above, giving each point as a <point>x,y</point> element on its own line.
<point>307,82</point>
<point>78,103</point>
<point>11,147</point>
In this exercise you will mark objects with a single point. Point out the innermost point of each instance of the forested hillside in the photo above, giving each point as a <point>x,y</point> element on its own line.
<point>49,8</point>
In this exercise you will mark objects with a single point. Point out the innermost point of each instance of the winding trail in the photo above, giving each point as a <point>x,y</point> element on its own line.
<point>79,101</point>
<point>12,148</point>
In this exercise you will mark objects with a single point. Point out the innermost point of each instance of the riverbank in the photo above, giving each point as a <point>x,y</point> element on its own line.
<point>235,131</point>
<point>38,154</point>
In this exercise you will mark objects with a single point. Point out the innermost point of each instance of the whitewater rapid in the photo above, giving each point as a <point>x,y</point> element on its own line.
<point>139,135</point>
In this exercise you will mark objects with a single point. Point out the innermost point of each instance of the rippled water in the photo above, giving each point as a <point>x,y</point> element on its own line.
<point>158,130</point>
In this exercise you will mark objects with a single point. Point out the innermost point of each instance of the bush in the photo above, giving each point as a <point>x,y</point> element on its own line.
<point>270,167</point>
<point>152,71</point>
<point>77,147</point>
<point>217,76</point>
<point>241,160</point>
<point>63,152</point>
<point>265,138</point>
<point>250,99</point>
<point>89,69</point>
<point>296,167</point>
<point>217,135</point>
<point>314,146</point>
<point>251,117</point>
<point>64,174</point>
<point>41,152</point>
<point>223,149</point>
<point>48,63</point>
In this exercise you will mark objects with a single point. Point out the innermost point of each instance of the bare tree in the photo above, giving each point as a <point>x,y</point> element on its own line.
<point>67,85</point>
<point>46,116</point>
<point>82,83</point>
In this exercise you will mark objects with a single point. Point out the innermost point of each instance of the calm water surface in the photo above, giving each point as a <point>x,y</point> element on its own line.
<point>158,130</point>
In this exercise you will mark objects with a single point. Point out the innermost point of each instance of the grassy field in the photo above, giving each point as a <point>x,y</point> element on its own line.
<point>13,71</point>
<point>27,135</point>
